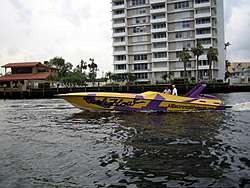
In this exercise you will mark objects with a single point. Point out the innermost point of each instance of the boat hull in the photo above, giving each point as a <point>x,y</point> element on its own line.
<point>140,102</point>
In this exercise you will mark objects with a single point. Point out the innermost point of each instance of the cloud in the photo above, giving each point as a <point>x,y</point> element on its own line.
<point>237,33</point>
<point>13,51</point>
<point>73,11</point>
<point>25,13</point>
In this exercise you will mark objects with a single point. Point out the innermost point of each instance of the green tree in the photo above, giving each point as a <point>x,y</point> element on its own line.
<point>82,66</point>
<point>57,62</point>
<point>108,75</point>
<point>115,77</point>
<point>197,51</point>
<point>65,70</point>
<point>93,69</point>
<point>212,56</point>
<point>131,77</point>
<point>185,57</point>
<point>167,76</point>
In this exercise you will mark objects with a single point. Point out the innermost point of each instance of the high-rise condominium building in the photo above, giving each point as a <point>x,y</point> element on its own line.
<point>148,36</point>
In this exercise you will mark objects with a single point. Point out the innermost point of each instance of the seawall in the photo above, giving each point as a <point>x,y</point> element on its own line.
<point>182,89</point>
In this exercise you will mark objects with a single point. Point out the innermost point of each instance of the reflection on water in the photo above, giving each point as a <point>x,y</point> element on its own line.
<point>48,143</point>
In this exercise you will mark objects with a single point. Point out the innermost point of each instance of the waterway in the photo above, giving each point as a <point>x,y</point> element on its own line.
<point>49,143</point>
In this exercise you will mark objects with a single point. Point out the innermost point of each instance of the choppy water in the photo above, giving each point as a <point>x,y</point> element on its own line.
<point>49,143</point>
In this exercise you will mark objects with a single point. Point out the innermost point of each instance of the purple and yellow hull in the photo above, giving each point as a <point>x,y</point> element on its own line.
<point>141,102</point>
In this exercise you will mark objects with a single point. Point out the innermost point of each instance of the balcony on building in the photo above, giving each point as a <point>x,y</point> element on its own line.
<point>158,8</point>
<point>157,1</point>
<point>159,29</point>
<point>159,59</point>
<point>117,25</point>
<point>119,71</point>
<point>119,34</point>
<point>201,13</point>
<point>202,3</point>
<point>157,20</point>
<point>161,69</point>
<point>200,36</point>
<point>117,7</point>
<point>158,40</point>
<point>205,25</point>
<point>116,62</point>
<point>119,43</point>
<point>118,14</point>
<point>159,49</point>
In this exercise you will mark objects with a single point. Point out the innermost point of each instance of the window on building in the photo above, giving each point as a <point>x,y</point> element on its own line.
<point>120,30</point>
<point>140,20</point>
<point>181,25</point>
<point>186,44</point>
<point>201,1</point>
<point>160,55</point>
<point>183,34</point>
<point>140,57</point>
<point>121,67</point>
<point>120,48</point>
<point>177,54</point>
<point>121,58</point>
<point>120,21</point>
<point>159,26</point>
<point>181,5</point>
<point>182,15</point>
<point>203,11</point>
<point>205,41</point>
<point>203,31</point>
<point>140,39</point>
<point>203,62</point>
<point>142,29</point>
<point>138,2</point>
<point>159,6</point>
<point>139,11</point>
<point>118,12</point>
<point>189,74</point>
<point>141,75</point>
<point>185,24</point>
<point>160,45</point>
<point>159,16</point>
<point>203,21</point>
<point>119,3</point>
<point>142,66</point>
<point>160,35</point>
<point>140,48</point>
<point>119,39</point>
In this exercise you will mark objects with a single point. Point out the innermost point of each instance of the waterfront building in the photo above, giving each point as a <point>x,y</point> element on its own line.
<point>26,74</point>
<point>148,36</point>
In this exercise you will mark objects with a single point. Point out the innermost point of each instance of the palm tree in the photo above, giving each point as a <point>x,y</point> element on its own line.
<point>212,55</point>
<point>82,65</point>
<point>108,75</point>
<point>185,57</point>
<point>198,51</point>
<point>93,68</point>
<point>131,77</point>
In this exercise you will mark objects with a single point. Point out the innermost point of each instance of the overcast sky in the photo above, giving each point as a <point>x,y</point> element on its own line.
<point>39,30</point>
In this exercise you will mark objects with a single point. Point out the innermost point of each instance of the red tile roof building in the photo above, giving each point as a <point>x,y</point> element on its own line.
<point>27,72</point>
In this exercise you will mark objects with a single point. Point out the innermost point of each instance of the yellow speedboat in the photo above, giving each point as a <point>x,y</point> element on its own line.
<point>192,101</point>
